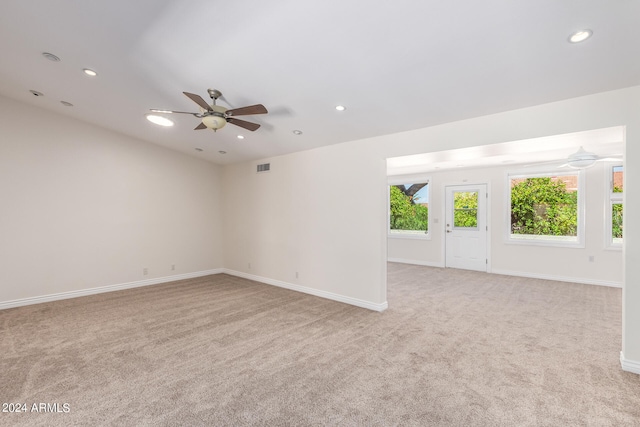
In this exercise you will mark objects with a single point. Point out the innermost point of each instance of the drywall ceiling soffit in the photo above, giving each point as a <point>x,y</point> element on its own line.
<point>545,152</point>
<point>409,66</point>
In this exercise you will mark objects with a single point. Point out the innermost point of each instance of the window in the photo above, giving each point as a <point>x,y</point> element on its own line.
<point>465,209</point>
<point>409,209</point>
<point>546,209</point>
<point>615,192</point>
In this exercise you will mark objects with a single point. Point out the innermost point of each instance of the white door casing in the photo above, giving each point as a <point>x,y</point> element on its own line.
<point>466,227</point>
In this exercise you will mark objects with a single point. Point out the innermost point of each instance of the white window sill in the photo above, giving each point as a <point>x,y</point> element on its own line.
<point>616,245</point>
<point>537,240</point>
<point>416,235</point>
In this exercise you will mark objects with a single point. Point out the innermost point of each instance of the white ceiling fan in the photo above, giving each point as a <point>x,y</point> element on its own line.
<point>582,159</point>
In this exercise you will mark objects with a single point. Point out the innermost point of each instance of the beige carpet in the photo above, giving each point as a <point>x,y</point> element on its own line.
<point>454,348</point>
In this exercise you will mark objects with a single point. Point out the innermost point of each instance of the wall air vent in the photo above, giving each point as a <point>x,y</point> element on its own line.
<point>265,167</point>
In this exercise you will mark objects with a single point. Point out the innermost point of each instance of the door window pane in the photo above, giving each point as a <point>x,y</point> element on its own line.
<point>465,209</point>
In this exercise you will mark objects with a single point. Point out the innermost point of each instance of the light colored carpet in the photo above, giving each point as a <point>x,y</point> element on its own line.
<point>454,348</point>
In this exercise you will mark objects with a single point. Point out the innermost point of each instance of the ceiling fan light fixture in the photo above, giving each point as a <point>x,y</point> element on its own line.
<point>581,164</point>
<point>214,122</point>
<point>159,120</point>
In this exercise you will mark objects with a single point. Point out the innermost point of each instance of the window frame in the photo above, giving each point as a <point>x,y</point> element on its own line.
<point>542,240</point>
<point>611,199</point>
<point>403,180</point>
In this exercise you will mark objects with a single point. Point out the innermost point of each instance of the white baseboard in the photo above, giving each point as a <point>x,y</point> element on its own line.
<point>147,282</point>
<point>311,291</point>
<point>558,278</point>
<point>629,365</point>
<point>102,289</point>
<point>416,262</point>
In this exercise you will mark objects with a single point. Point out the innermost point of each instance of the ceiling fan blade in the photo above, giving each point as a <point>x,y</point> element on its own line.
<point>155,110</point>
<point>243,124</point>
<point>200,126</point>
<point>245,111</point>
<point>544,163</point>
<point>609,159</point>
<point>198,100</point>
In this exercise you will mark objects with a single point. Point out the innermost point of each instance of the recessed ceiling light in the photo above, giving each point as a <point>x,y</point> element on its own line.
<point>340,107</point>
<point>66,104</point>
<point>36,93</point>
<point>50,56</point>
<point>222,152</point>
<point>89,72</point>
<point>580,36</point>
<point>199,149</point>
<point>159,120</point>
<point>297,132</point>
<point>240,137</point>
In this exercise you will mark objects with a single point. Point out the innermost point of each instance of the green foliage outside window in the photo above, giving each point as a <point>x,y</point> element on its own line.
<point>543,206</point>
<point>465,209</point>
<point>405,214</point>
<point>616,223</point>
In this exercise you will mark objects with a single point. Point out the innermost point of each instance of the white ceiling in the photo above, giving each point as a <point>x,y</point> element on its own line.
<point>396,66</point>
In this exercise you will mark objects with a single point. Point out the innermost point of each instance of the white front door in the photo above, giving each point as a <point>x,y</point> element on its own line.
<point>466,227</point>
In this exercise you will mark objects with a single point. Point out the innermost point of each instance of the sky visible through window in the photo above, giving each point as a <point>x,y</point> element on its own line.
<point>422,196</point>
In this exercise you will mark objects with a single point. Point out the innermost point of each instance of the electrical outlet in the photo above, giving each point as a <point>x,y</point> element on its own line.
<point>592,258</point>
<point>296,274</point>
<point>249,265</point>
<point>145,271</point>
<point>173,267</point>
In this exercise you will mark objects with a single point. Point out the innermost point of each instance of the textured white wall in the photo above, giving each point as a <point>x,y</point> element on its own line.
<point>299,217</point>
<point>541,261</point>
<point>83,207</point>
